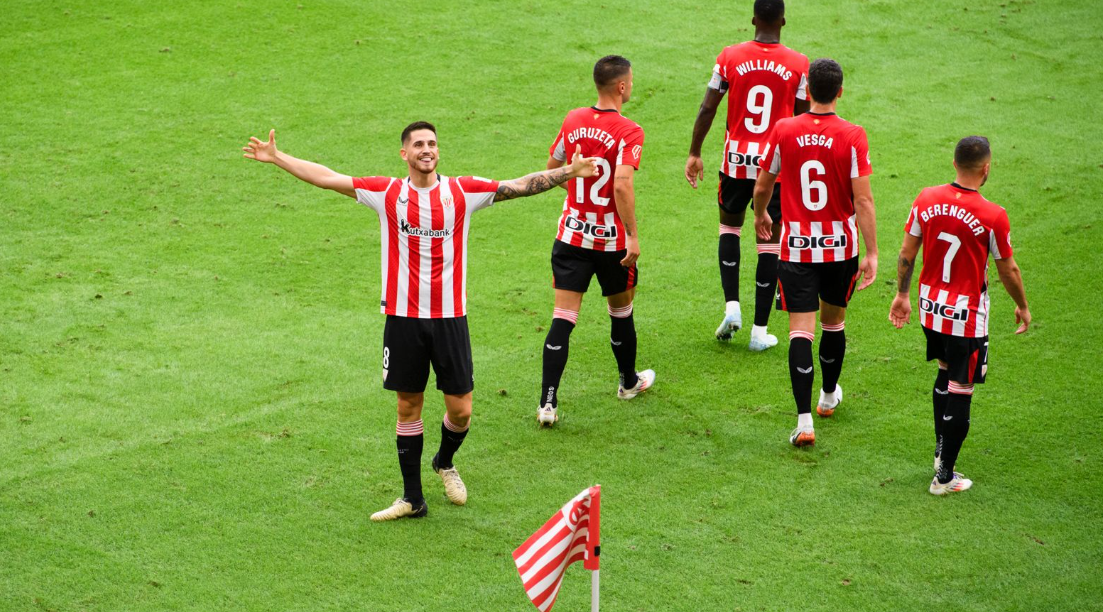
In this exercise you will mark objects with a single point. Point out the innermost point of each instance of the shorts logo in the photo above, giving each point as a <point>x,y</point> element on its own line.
<point>419,232</point>
<point>636,150</point>
<point>744,159</point>
<point>590,229</point>
<point>943,310</point>
<point>818,242</point>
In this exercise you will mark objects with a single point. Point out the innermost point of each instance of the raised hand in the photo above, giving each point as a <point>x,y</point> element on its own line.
<point>582,167</point>
<point>260,150</point>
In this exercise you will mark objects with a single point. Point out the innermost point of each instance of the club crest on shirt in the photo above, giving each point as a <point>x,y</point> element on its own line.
<point>447,201</point>
<point>636,150</point>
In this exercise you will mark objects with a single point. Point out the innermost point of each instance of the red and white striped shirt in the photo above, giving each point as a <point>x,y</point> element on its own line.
<point>959,229</point>
<point>590,219</point>
<point>763,82</point>
<point>818,156</point>
<point>423,241</point>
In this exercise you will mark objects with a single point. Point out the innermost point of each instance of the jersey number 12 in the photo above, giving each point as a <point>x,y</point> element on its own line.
<point>603,174</point>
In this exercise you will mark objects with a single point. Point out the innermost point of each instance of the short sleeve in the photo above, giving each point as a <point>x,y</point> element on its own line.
<point>479,192</point>
<point>802,85</point>
<point>913,226</point>
<point>719,79</point>
<point>999,237</point>
<point>859,155</point>
<point>371,190</point>
<point>630,149</point>
<point>771,162</point>
<point>558,150</point>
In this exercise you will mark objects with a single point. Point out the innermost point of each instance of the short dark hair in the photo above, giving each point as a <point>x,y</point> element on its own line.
<point>610,68</point>
<point>769,11</point>
<point>417,125</point>
<point>825,77</point>
<point>972,152</point>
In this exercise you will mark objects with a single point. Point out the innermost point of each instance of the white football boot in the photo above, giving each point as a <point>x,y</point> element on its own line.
<point>644,382</point>
<point>733,322</point>
<point>761,341</point>
<point>826,409</point>
<point>547,415</point>
<point>957,484</point>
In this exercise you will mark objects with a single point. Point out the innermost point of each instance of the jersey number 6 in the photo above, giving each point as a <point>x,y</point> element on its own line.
<point>814,193</point>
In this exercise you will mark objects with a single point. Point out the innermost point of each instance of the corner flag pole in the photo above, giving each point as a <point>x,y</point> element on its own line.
<point>593,545</point>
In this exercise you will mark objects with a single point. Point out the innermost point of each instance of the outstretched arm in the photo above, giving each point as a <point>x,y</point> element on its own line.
<point>539,182</point>
<point>695,168</point>
<point>1012,278</point>
<point>315,174</point>
<point>901,310</point>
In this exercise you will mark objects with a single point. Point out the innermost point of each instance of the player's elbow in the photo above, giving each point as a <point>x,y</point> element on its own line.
<point>624,189</point>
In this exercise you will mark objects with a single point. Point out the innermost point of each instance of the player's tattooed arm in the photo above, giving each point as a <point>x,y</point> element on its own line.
<point>901,310</point>
<point>904,269</point>
<point>539,182</point>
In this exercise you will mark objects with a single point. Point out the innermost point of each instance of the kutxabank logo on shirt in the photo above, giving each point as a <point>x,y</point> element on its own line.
<point>420,232</point>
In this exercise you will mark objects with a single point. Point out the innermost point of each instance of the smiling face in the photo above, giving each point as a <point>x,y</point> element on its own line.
<point>420,151</point>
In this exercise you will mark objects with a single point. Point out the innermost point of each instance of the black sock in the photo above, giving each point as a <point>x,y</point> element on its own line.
<point>729,264</point>
<point>832,351</point>
<point>939,395</point>
<point>556,346</point>
<point>622,338</point>
<point>411,439</point>
<point>450,441</point>
<point>955,427</point>
<point>800,372</point>
<point>765,278</point>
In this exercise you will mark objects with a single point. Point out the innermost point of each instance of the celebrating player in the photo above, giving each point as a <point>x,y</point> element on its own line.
<point>957,229</point>
<point>424,219</point>
<point>767,82</point>
<point>825,199</point>
<point>597,233</point>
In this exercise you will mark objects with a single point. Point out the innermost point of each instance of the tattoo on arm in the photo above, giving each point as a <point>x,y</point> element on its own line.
<point>904,269</point>
<point>531,184</point>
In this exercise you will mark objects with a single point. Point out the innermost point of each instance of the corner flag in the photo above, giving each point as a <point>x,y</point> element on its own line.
<point>572,534</point>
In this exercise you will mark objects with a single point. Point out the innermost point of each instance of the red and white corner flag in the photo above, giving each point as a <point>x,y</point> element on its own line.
<point>572,534</point>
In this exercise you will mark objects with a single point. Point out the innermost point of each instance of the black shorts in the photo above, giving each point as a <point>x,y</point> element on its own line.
<point>410,345</point>
<point>967,358</point>
<point>801,286</point>
<point>573,267</point>
<point>733,196</point>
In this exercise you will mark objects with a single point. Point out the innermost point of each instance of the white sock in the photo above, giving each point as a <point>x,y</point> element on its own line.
<point>804,421</point>
<point>758,331</point>
<point>829,398</point>
<point>731,308</point>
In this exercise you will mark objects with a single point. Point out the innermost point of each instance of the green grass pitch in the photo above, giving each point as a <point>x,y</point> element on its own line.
<point>191,415</point>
